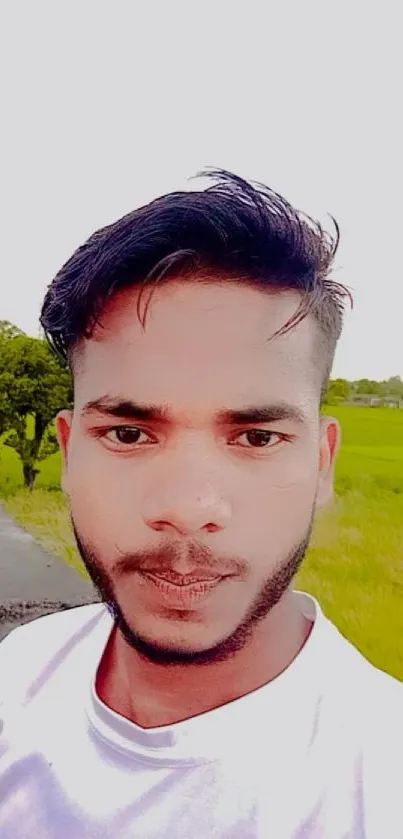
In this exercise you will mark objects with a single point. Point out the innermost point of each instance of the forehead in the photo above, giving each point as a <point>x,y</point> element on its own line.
<point>201,342</point>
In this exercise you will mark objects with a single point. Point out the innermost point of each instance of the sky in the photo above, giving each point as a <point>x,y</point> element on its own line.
<point>106,105</point>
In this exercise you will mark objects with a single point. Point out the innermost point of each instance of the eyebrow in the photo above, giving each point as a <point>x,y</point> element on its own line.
<point>250,415</point>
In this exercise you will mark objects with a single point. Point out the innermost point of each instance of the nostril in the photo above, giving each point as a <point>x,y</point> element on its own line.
<point>211,527</point>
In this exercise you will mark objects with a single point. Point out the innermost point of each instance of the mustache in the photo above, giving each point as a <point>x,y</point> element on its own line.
<point>162,558</point>
<point>166,556</point>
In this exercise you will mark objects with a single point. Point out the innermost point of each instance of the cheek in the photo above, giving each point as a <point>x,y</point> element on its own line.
<point>278,506</point>
<point>104,498</point>
<point>297,468</point>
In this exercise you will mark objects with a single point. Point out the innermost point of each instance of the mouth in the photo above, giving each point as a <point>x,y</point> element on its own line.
<point>184,579</point>
<point>184,594</point>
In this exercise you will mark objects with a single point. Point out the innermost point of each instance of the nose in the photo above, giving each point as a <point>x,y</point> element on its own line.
<point>186,506</point>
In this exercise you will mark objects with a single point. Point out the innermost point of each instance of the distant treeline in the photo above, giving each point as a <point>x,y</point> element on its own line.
<point>366,391</point>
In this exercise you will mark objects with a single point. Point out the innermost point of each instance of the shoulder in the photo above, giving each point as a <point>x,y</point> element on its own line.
<point>360,729</point>
<point>376,707</point>
<point>29,648</point>
<point>380,702</point>
<point>50,628</point>
<point>368,699</point>
<point>351,682</point>
<point>359,677</point>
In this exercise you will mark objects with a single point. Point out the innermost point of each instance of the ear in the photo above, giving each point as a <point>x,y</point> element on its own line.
<point>63,424</point>
<point>329,445</point>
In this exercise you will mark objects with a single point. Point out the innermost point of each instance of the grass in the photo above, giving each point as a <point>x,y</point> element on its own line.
<point>355,563</point>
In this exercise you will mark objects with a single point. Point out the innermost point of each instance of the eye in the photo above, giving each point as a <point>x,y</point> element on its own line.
<point>258,438</point>
<point>126,435</point>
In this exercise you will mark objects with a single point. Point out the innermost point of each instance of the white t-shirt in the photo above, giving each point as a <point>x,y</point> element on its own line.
<point>315,754</point>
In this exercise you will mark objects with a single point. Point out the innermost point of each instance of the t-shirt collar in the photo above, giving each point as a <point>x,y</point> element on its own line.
<point>281,711</point>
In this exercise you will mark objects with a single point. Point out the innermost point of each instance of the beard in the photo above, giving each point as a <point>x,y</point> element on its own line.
<point>271,591</point>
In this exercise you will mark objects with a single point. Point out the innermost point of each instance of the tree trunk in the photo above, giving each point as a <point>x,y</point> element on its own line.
<point>29,476</point>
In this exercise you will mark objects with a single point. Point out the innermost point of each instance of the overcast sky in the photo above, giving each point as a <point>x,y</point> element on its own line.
<point>105,105</point>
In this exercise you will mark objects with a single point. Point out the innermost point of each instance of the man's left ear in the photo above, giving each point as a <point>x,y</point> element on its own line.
<point>329,445</point>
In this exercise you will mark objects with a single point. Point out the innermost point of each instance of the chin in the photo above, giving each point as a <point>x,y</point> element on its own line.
<point>180,640</point>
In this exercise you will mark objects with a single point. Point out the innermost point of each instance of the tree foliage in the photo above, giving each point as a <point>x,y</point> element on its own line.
<point>341,390</point>
<point>338,391</point>
<point>8,330</point>
<point>34,386</point>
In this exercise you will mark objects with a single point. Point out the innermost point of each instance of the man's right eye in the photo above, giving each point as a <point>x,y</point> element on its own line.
<point>125,435</point>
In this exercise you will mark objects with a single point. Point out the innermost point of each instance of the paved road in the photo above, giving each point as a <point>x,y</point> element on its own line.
<point>32,582</point>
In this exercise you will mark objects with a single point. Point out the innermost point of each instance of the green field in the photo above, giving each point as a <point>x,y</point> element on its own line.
<point>355,563</point>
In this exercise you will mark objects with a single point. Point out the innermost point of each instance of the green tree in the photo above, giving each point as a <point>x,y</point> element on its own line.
<point>7,331</point>
<point>34,386</point>
<point>368,387</point>
<point>394,386</point>
<point>338,391</point>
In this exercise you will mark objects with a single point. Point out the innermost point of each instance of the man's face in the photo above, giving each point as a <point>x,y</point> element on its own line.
<point>166,475</point>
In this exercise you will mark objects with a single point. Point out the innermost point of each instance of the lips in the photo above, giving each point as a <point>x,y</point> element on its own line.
<point>186,595</point>
<point>184,579</point>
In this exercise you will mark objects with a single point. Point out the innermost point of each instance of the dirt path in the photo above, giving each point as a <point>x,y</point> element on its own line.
<point>32,582</point>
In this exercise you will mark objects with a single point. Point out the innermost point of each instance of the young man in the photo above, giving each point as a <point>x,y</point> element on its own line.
<point>204,697</point>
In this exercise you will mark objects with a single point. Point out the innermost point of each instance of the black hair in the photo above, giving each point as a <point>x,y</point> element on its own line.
<point>230,230</point>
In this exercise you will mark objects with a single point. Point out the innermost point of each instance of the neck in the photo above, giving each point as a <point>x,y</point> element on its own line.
<point>152,695</point>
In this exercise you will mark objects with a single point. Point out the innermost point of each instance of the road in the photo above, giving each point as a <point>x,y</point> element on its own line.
<point>32,582</point>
